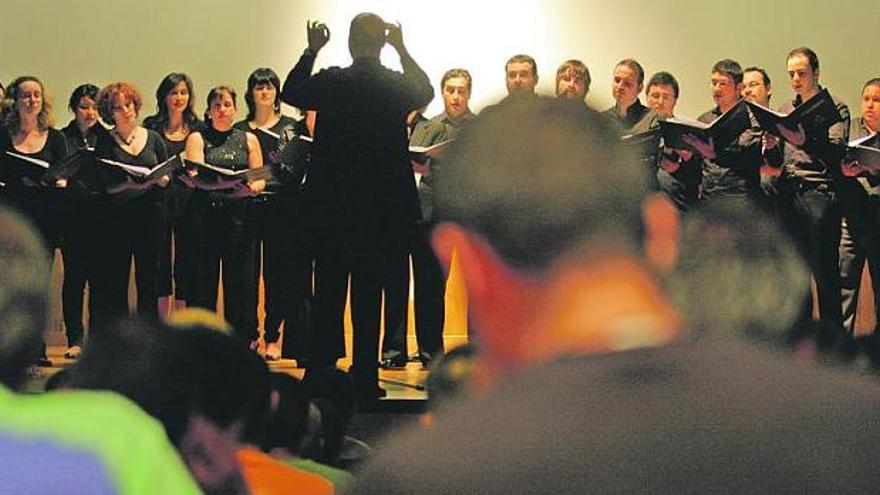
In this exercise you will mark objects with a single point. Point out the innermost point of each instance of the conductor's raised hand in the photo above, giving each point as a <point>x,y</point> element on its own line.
<point>318,35</point>
<point>394,35</point>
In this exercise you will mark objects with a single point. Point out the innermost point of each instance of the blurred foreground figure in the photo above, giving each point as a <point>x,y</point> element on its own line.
<point>544,212</point>
<point>72,442</point>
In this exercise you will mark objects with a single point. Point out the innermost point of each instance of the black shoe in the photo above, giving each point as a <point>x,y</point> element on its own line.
<point>44,362</point>
<point>398,361</point>
<point>367,398</point>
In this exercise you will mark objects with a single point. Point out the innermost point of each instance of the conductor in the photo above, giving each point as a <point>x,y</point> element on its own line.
<point>360,185</point>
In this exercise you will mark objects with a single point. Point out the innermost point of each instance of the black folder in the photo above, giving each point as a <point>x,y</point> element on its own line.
<point>816,115</point>
<point>724,130</point>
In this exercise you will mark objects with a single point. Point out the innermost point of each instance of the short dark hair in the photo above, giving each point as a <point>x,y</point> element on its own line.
<point>82,91</point>
<point>463,73</point>
<point>175,373</point>
<point>811,56</point>
<point>520,58</point>
<point>762,71</point>
<point>633,66</point>
<point>729,68</point>
<point>663,79</point>
<point>539,179</point>
<point>215,92</point>
<point>263,75</point>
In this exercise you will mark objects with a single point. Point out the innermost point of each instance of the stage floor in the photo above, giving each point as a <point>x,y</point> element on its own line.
<point>405,386</point>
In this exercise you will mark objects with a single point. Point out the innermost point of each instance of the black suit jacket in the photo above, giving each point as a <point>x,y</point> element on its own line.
<point>360,181</point>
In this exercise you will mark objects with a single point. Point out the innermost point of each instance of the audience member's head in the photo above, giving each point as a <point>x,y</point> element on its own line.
<point>735,273</point>
<point>332,392</point>
<point>24,289</point>
<point>295,423</point>
<point>535,191</point>
<point>207,389</point>
<point>450,378</point>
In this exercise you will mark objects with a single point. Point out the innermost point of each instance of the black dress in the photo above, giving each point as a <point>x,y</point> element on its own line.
<point>34,198</point>
<point>222,235</point>
<point>176,273</point>
<point>131,227</point>
<point>282,238</point>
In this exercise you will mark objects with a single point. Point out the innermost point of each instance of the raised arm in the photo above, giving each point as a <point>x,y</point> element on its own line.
<point>420,91</point>
<point>295,90</point>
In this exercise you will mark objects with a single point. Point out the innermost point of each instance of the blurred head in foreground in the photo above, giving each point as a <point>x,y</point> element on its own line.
<point>548,215</point>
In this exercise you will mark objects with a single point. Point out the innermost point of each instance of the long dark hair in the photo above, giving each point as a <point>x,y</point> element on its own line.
<point>262,75</point>
<point>158,121</point>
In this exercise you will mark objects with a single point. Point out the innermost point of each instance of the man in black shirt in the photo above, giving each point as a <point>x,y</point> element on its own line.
<point>678,172</point>
<point>628,82</point>
<point>808,193</point>
<point>733,171</point>
<point>456,85</point>
<point>757,88</point>
<point>360,184</point>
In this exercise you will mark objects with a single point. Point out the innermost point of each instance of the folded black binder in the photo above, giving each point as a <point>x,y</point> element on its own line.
<point>723,131</point>
<point>815,115</point>
<point>866,153</point>
<point>646,143</point>
<point>23,167</point>
<point>214,178</point>
<point>69,166</point>
<point>146,174</point>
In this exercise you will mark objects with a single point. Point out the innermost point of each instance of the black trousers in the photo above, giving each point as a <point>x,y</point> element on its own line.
<point>429,280</point>
<point>128,230</point>
<point>335,261</point>
<point>177,271</point>
<point>286,263</point>
<point>224,237</point>
<point>859,241</point>
<point>812,217</point>
<point>79,254</point>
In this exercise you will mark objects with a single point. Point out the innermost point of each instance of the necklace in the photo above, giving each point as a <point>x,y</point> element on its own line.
<point>125,141</point>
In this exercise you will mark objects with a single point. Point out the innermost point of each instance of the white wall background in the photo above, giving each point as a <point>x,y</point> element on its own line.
<point>67,42</point>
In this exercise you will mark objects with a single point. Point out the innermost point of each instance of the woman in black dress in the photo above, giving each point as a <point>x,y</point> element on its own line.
<point>27,133</point>
<point>279,235</point>
<point>131,211</point>
<point>174,121</point>
<point>78,231</point>
<point>222,233</point>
